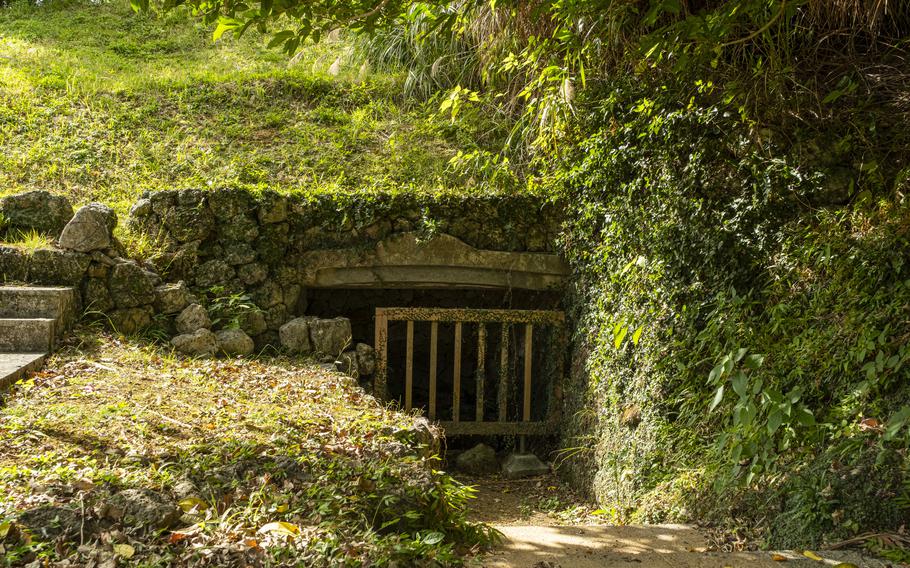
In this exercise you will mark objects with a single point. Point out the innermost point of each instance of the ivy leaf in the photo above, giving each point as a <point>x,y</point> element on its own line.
<point>718,396</point>
<point>754,361</point>
<point>741,384</point>
<point>637,334</point>
<point>774,421</point>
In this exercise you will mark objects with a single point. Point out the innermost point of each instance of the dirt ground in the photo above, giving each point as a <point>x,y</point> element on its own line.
<point>545,525</point>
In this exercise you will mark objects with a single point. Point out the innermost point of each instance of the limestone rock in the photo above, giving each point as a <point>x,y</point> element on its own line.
<point>213,273</point>
<point>90,229</point>
<point>141,209</point>
<point>13,265</point>
<point>190,219</point>
<point>276,316</point>
<point>55,266</point>
<point>234,342</point>
<point>253,273</point>
<point>366,359</point>
<point>273,208</point>
<point>253,322</point>
<point>517,466</point>
<point>200,343</point>
<point>95,296</point>
<point>239,253</point>
<point>142,508</point>
<point>173,298</point>
<point>130,320</point>
<point>268,295</point>
<point>131,286</point>
<point>193,318</point>
<point>295,335</point>
<point>273,243</point>
<point>479,460</point>
<point>40,210</point>
<point>330,336</point>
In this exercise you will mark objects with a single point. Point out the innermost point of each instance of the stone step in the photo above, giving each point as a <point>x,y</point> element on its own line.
<point>14,366</point>
<point>23,302</point>
<point>27,335</point>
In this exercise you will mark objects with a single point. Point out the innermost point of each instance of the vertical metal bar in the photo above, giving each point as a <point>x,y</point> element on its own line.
<point>409,369</point>
<point>434,334</point>
<point>529,340</point>
<point>382,352</point>
<point>481,367</point>
<point>504,373</point>
<point>456,391</point>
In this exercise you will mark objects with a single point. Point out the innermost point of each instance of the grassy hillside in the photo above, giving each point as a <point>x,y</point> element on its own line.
<point>100,103</point>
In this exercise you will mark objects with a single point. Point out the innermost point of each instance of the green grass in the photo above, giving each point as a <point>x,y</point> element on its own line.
<point>100,103</point>
<point>238,445</point>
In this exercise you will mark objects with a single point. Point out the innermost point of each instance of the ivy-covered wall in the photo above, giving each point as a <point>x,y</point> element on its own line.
<point>740,332</point>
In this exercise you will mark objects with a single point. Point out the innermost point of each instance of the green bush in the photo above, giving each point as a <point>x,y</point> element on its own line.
<point>740,344</point>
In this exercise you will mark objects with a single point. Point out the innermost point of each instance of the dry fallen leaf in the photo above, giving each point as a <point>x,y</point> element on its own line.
<point>778,558</point>
<point>280,527</point>
<point>812,556</point>
<point>124,550</point>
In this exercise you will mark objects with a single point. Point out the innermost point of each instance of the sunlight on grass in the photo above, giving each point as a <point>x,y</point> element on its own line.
<point>100,104</point>
<point>29,241</point>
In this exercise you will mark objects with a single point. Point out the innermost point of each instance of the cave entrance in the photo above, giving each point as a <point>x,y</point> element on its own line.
<point>476,371</point>
<point>510,345</point>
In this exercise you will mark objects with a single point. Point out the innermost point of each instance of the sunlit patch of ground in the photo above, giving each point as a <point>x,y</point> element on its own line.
<point>119,450</point>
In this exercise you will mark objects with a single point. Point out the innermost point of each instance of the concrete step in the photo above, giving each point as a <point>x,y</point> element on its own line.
<point>27,335</point>
<point>23,302</point>
<point>14,366</point>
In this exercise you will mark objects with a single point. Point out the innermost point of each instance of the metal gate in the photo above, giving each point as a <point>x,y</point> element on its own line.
<point>527,321</point>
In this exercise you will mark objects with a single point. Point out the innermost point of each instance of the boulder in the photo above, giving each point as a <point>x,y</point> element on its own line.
<point>173,298</point>
<point>366,359</point>
<point>130,320</point>
<point>479,460</point>
<point>40,211</point>
<point>272,244</point>
<point>200,343</point>
<point>295,335</point>
<point>131,286</point>
<point>142,508</point>
<point>268,295</point>
<point>234,342</point>
<point>517,466</point>
<point>90,229</point>
<point>330,336</point>
<point>59,267</point>
<point>193,318</point>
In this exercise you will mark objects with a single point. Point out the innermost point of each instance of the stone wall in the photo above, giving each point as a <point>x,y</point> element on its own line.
<point>257,244</point>
<point>259,249</point>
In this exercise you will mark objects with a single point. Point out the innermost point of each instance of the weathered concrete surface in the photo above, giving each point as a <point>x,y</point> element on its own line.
<point>607,546</point>
<point>14,366</point>
<point>57,303</point>
<point>32,335</point>
<point>403,261</point>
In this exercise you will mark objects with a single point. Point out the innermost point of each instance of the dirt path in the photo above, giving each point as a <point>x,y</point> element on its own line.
<point>545,526</point>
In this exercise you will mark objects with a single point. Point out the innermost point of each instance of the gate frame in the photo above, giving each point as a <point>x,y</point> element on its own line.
<point>460,316</point>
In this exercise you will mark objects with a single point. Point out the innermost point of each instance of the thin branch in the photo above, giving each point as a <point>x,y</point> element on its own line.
<point>365,15</point>
<point>761,30</point>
